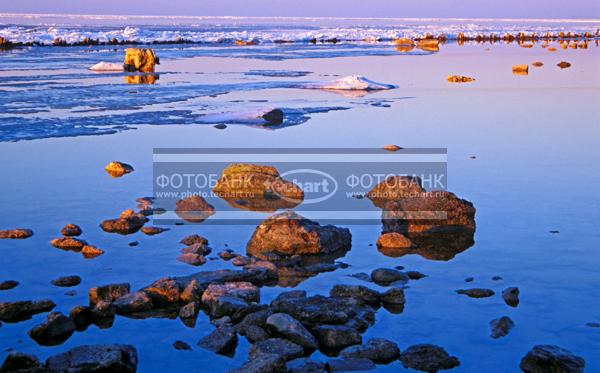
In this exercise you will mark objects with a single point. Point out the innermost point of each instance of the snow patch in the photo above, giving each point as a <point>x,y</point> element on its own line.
<point>351,83</point>
<point>107,66</point>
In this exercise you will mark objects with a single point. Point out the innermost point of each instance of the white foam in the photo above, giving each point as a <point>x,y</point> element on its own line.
<point>351,83</point>
<point>107,66</point>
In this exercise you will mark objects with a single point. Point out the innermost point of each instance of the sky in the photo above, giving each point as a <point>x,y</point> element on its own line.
<point>586,9</point>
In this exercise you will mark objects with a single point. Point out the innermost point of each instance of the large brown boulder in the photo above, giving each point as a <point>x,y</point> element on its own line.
<point>128,222</point>
<point>194,209</point>
<point>137,59</point>
<point>288,234</point>
<point>257,188</point>
<point>395,187</point>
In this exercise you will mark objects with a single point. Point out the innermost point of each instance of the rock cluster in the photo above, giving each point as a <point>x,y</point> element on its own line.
<point>18,233</point>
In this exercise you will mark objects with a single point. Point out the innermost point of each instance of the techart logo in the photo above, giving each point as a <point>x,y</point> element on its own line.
<point>318,186</point>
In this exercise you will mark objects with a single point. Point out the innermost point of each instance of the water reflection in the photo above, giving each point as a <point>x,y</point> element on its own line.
<point>141,79</point>
<point>442,246</point>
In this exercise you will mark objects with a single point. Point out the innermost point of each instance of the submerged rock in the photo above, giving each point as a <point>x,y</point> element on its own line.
<point>511,296</point>
<point>222,341</point>
<point>151,231</point>
<point>428,358</point>
<point>137,59</point>
<point>18,233</point>
<point>378,350</point>
<point>350,365</point>
<point>9,284</point>
<point>54,331</point>
<point>194,209</point>
<point>128,222</point>
<point>281,347</point>
<point>70,230</point>
<point>501,326</point>
<point>23,310</point>
<point>288,234</point>
<point>118,169</point>
<point>393,296</point>
<point>549,358</point>
<point>95,358</point>
<point>181,345</point>
<point>476,292</point>
<point>459,79</point>
<point>387,276</point>
<point>291,329</point>
<point>66,281</point>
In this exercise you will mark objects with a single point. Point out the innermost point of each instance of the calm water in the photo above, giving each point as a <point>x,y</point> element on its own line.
<point>534,138</point>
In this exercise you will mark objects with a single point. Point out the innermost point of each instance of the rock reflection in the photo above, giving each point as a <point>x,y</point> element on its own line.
<point>141,79</point>
<point>435,246</point>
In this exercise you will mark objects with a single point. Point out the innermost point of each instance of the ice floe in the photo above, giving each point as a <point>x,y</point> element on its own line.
<point>107,66</point>
<point>351,83</point>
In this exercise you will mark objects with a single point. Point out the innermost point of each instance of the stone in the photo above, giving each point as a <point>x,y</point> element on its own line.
<point>404,41</point>
<point>361,276</point>
<point>501,326</point>
<point>8,284</point>
<point>537,64</point>
<point>394,241</point>
<point>304,365</point>
<point>459,79</point>
<point>292,330</point>
<point>194,239</point>
<point>133,303</point>
<point>273,117</point>
<point>118,169</point>
<point>138,59</point>
<point>18,233</point>
<point>387,276</point>
<point>20,362</point>
<point>520,69</point>
<point>191,258</point>
<point>151,231</point>
<point>66,281</point>
<point>23,310</point>
<point>227,254</point>
<point>181,345</point>
<point>68,243</point>
<point>415,275</point>
<point>222,341</point>
<point>378,350</point>
<point>282,347</point>
<point>564,64</point>
<point>428,358</point>
<point>336,337</point>
<point>363,293</point>
<point>469,279</point>
<point>95,358</point>
<point>54,331</point>
<point>392,147</point>
<point>89,251</point>
<point>70,230</point>
<point>240,261</point>
<point>429,45</point>
<point>245,291</point>
<point>511,296</point>
<point>196,248</point>
<point>288,234</point>
<point>189,311</point>
<point>259,188</point>
<point>226,306</point>
<point>393,296</point>
<point>128,222</point>
<point>350,365</point>
<point>164,291</point>
<point>258,318</point>
<point>262,363</point>
<point>476,292</point>
<point>194,209</point>
<point>393,188</point>
<point>550,358</point>
<point>108,293</point>
<point>82,317</point>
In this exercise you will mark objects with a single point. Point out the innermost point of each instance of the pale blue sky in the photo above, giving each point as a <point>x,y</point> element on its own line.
<point>329,8</point>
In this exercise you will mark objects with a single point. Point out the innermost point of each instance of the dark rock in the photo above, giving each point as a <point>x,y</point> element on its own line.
<point>500,327</point>
<point>220,126</point>
<point>18,233</point>
<point>82,317</point>
<point>262,363</point>
<point>476,292</point>
<point>593,324</point>
<point>68,243</point>
<point>511,296</point>
<point>304,365</point>
<point>273,117</point>
<point>386,276</point>
<point>67,281</point>
<point>180,345</point>
<point>95,358</point>
<point>108,293</point>
<point>378,350</point>
<point>549,358</point>
<point>226,306</point>
<point>255,334</point>
<point>363,293</point>
<point>496,278</point>
<point>282,347</point>
<point>20,362</point>
<point>361,276</point>
<point>415,275</point>
<point>563,64</point>
<point>151,231</point>
<point>70,230</point>
<point>23,310</point>
<point>194,209</point>
<point>469,279</point>
<point>428,358</point>
<point>9,284</point>
<point>133,303</point>
<point>196,248</point>
<point>291,329</point>
<point>288,234</point>
<point>54,331</point>
<point>189,311</point>
<point>194,239</point>
<point>393,296</point>
<point>227,254</point>
<point>240,261</point>
<point>222,341</point>
<point>192,259</point>
<point>127,223</point>
<point>133,243</point>
<point>350,365</point>
<point>336,337</point>
<point>258,318</point>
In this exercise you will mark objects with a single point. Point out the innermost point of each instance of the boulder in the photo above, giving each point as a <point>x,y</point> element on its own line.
<point>304,365</point>
<point>459,79</point>
<point>428,358</point>
<point>501,326</point>
<point>181,345</point>
<point>128,222</point>
<point>68,243</point>
<point>336,337</point>
<point>476,292</point>
<point>291,329</point>
<point>70,230</point>
<point>549,358</point>
<point>95,358</point>
<point>245,291</point>
<point>520,69</point>
<point>189,311</point>
<point>429,45</point>
<point>404,41</point>
<point>18,233</point>
<point>393,296</point>
<point>133,303</point>
<point>54,331</point>
<point>191,258</point>
<point>253,319</point>
<point>394,241</point>
<point>194,209</point>
<point>362,293</point>
<point>197,248</point>
<point>137,59</point>
<point>118,169</point>
<point>378,350</point>
<point>151,231</point>
<point>227,254</point>
<point>511,296</point>
<point>257,188</point>
<point>273,116</point>
<point>89,251</point>
<point>282,347</point>
<point>108,293</point>
<point>395,187</point>
<point>82,317</point>
<point>262,363</point>
<point>387,276</point>
<point>8,284</point>
<point>227,306</point>
<point>193,240</point>
<point>66,281</point>
<point>23,310</point>
<point>20,362</point>
<point>350,365</point>
<point>288,234</point>
<point>222,341</point>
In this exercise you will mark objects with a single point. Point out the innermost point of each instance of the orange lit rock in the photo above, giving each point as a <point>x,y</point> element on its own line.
<point>394,240</point>
<point>137,59</point>
<point>459,79</point>
<point>563,64</point>
<point>520,69</point>
<point>118,169</point>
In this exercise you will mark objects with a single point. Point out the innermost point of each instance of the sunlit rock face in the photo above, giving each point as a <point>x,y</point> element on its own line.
<point>137,59</point>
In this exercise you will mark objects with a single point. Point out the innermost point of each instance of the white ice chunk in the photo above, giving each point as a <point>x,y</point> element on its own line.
<point>351,83</point>
<point>107,66</point>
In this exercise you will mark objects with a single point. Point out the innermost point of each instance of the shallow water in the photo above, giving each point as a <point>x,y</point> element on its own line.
<point>534,138</point>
